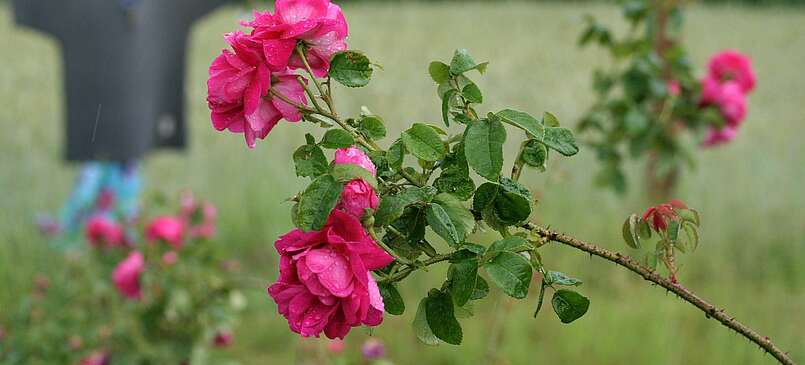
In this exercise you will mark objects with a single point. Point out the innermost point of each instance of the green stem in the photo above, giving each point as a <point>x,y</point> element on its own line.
<point>387,248</point>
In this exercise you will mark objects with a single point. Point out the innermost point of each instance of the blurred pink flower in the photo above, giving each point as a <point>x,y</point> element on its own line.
<point>317,24</point>
<point>199,217</point>
<point>355,156</point>
<point>127,275</point>
<point>718,136</point>
<point>238,91</point>
<point>168,229</point>
<point>373,349</point>
<point>732,103</point>
<point>731,65</point>
<point>325,282</point>
<point>673,88</point>
<point>96,358</point>
<point>222,338</point>
<point>336,346</point>
<point>104,232</point>
<point>170,257</point>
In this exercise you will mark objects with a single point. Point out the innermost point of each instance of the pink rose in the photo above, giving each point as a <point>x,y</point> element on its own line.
<point>732,65</point>
<point>199,217</point>
<point>238,91</point>
<point>325,282</point>
<point>104,232</point>
<point>718,136</point>
<point>169,229</point>
<point>222,339</point>
<point>732,103</point>
<point>96,358</point>
<point>355,156</point>
<point>317,24</point>
<point>170,258</point>
<point>336,346</point>
<point>356,197</point>
<point>127,275</point>
<point>358,194</point>
<point>673,88</point>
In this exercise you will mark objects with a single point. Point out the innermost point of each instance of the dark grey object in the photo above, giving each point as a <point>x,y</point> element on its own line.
<point>123,71</point>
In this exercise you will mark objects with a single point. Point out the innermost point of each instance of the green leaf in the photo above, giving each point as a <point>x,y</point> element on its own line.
<point>347,172</point>
<point>310,161</point>
<point>692,234</point>
<point>483,147</point>
<point>463,276</point>
<point>395,155</point>
<point>523,121</point>
<point>462,218</point>
<point>550,120</point>
<point>559,139</point>
<point>558,278</point>
<point>424,143</point>
<point>446,100</point>
<point>316,202</point>
<point>391,207</point>
<point>439,72</point>
<point>508,244</point>
<point>351,69</point>
<point>513,204</point>
<point>629,235</point>
<point>421,327</point>
<point>373,127</point>
<point>511,272</point>
<point>455,184</point>
<point>643,230</point>
<point>472,93</point>
<point>673,230</point>
<point>441,317</point>
<point>461,62</point>
<point>689,215</point>
<point>392,300</point>
<point>481,289</point>
<point>337,138</point>
<point>485,196</point>
<point>440,222</point>
<point>569,305</point>
<point>535,154</point>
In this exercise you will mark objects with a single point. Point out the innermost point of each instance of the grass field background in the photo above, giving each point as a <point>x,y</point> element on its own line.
<point>751,193</point>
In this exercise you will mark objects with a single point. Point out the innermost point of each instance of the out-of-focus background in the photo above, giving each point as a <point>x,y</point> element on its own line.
<point>750,192</point>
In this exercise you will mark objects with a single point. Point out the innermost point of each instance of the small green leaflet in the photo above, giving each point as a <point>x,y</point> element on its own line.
<point>569,305</point>
<point>351,69</point>
<point>421,327</point>
<point>483,147</point>
<point>337,138</point>
<point>424,143</point>
<point>511,272</point>
<point>440,222</point>
<point>316,202</point>
<point>441,317</point>
<point>392,300</point>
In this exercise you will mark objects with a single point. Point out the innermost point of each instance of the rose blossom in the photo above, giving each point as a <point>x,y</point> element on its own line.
<point>222,339</point>
<point>719,136</point>
<point>317,24</point>
<point>373,349</point>
<point>238,91</point>
<point>732,65</point>
<point>104,232</point>
<point>336,346</point>
<point>358,194</point>
<point>199,217</point>
<point>325,282</point>
<point>732,103</point>
<point>166,228</point>
<point>169,258</point>
<point>96,358</point>
<point>356,197</point>
<point>355,156</point>
<point>127,275</point>
<point>673,88</point>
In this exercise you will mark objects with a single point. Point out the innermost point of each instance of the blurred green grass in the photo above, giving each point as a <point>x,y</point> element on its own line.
<point>750,193</point>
